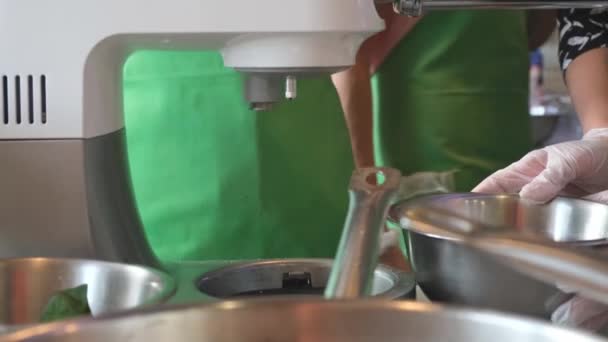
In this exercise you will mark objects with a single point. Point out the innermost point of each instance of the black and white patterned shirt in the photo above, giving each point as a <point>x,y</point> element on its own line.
<point>581,30</point>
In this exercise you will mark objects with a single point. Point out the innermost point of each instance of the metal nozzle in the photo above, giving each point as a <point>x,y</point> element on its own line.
<point>291,88</point>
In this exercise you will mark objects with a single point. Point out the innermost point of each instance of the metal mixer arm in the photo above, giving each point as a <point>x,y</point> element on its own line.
<point>416,7</point>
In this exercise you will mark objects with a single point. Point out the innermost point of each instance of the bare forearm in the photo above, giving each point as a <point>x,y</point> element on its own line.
<point>354,89</point>
<point>587,78</point>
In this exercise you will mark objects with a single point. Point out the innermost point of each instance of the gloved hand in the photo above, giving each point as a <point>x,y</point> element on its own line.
<point>577,168</point>
<point>582,313</point>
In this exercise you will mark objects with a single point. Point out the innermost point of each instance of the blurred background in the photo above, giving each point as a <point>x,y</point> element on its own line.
<point>553,117</point>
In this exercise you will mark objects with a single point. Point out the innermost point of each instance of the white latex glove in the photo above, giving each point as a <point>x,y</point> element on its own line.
<point>582,313</point>
<point>577,168</point>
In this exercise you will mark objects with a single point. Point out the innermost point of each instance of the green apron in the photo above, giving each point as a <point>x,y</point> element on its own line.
<point>214,180</point>
<point>454,96</point>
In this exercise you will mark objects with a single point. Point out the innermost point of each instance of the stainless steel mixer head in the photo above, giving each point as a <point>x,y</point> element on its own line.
<point>299,319</point>
<point>263,88</point>
<point>416,7</point>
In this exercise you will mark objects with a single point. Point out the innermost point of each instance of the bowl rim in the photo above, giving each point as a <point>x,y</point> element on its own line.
<point>398,213</point>
<point>168,282</point>
<point>454,312</point>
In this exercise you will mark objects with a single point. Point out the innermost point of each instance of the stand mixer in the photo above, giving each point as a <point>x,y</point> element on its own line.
<point>65,185</point>
<point>65,188</point>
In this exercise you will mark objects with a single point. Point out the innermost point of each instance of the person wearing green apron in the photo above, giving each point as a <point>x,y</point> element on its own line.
<point>450,95</point>
<point>453,95</point>
<point>214,180</point>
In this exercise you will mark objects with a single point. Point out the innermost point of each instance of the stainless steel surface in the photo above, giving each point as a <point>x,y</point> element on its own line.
<point>273,275</point>
<point>416,7</point>
<point>371,192</point>
<point>70,198</point>
<point>567,220</point>
<point>186,275</point>
<point>28,284</point>
<point>582,272</point>
<point>578,270</point>
<point>450,272</point>
<point>48,177</point>
<point>116,229</point>
<point>264,87</point>
<point>305,320</point>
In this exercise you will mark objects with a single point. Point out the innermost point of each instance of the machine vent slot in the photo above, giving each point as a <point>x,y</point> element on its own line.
<point>30,99</point>
<point>23,99</point>
<point>5,99</point>
<point>43,98</point>
<point>18,99</point>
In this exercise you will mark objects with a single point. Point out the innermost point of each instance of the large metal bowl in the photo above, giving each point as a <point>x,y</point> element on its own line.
<point>28,284</point>
<point>448,271</point>
<point>305,320</point>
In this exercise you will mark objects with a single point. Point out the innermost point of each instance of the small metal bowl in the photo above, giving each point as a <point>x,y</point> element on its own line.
<point>448,271</point>
<point>28,284</point>
<point>294,277</point>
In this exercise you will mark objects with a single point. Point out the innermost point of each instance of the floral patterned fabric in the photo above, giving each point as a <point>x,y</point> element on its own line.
<point>581,30</point>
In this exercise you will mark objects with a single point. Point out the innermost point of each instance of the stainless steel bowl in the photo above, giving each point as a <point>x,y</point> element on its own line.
<point>28,284</point>
<point>294,277</point>
<point>449,272</point>
<point>305,320</point>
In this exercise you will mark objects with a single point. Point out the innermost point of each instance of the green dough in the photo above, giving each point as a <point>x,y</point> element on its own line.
<point>67,304</point>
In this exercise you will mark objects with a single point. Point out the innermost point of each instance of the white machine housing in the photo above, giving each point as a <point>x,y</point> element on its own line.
<point>65,188</point>
<point>61,61</point>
